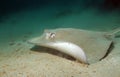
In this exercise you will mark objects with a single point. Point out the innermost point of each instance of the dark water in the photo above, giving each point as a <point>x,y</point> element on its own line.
<point>8,6</point>
<point>20,17</point>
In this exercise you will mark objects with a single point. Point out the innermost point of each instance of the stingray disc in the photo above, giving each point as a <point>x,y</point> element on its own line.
<point>94,44</point>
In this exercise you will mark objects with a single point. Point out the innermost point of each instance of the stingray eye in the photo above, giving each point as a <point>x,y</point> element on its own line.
<point>52,35</point>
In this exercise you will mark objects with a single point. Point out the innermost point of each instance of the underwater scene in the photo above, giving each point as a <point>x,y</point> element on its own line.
<point>59,38</point>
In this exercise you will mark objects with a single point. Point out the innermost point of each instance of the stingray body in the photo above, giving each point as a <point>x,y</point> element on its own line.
<point>85,46</point>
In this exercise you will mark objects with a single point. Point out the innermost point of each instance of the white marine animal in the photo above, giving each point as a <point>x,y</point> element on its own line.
<point>78,43</point>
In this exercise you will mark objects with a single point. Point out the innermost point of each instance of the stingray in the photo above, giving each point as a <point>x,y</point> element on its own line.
<point>84,45</point>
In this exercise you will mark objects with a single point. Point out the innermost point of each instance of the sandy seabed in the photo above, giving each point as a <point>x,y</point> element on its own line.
<point>23,62</point>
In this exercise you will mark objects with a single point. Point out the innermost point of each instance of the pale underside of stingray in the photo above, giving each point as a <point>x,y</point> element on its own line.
<point>85,46</point>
